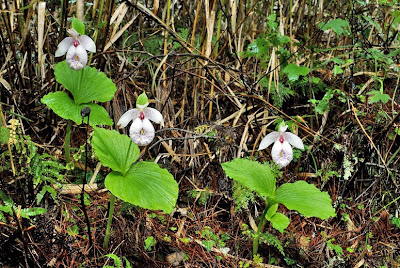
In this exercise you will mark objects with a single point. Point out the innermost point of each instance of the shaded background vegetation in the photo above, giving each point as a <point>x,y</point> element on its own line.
<point>222,73</point>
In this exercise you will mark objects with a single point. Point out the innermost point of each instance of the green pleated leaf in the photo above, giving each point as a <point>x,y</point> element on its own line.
<point>114,150</point>
<point>279,221</point>
<point>255,176</point>
<point>66,108</point>
<point>85,85</point>
<point>145,185</point>
<point>306,199</point>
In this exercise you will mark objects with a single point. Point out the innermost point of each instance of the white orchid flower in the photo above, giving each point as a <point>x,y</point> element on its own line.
<point>75,46</point>
<point>142,131</point>
<point>282,153</point>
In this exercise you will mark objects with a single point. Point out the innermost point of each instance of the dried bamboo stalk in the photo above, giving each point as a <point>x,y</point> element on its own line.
<point>41,57</point>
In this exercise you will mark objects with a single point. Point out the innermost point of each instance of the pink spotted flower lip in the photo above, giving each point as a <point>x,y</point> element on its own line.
<point>76,46</point>
<point>282,153</point>
<point>141,131</point>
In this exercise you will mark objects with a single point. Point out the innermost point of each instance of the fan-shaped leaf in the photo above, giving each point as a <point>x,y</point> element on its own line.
<point>114,150</point>
<point>255,176</point>
<point>86,85</point>
<point>145,185</point>
<point>65,107</point>
<point>306,199</point>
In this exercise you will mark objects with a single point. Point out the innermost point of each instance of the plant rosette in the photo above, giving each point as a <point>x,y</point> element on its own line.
<point>300,195</point>
<point>86,85</point>
<point>143,184</point>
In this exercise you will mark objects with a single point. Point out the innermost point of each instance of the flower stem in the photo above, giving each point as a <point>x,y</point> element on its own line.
<point>260,227</point>
<point>109,221</point>
<point>67,142</point>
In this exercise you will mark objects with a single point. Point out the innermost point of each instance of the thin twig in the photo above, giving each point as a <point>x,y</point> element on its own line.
<point>372,143</point>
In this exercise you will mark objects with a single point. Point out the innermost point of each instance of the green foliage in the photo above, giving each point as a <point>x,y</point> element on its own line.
<point>306,199</point>
<point>294,71</point>
<point>183,33</point>
<point>4,135</point>
<point>329,172</point>
<point>375,96</point>
<point>44,168</point>
<point>161,218</point>
<point>382,61</point>
<point>261,47</point>
<point>395,221</point>
<point>272,240</point>
<point>266,237</point>
<point>114,150</point>
<point>117,261</point>
<point>85,85</point>
<point>66,108</point>
<point>73,230</point>
<point>257,259</point>
<point>242,196</point>
<point>208,244</point>
<point>46,189</point>
<point>258,49</point>
<point>300,196</point>
<point>201,195</point>
<point>9,207</point>
<point>279,221</point>
<point>244,265</point>
<point>78,26</point>
<point>142,100</point>
<point>152,45</point>
<point>253,175</point>
<point>144,184</point>
<point>279,95</point>
<point>337,70</point>
<point>149,243</point>
<point>338,26</point>
<point>336,248</point>
<point>211,240</point>
<point>324,104</point>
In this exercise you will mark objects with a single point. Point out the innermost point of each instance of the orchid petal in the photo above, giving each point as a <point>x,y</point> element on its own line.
<point>127,117</point>
<point>64,45</point>
<point>282,153</point>
<point>72,32</point>
<point>153,115</point>
<point>76,57</point>
<point>268,140</point>
<point>87,43</point>
<point>142,132</point>
<point>293,140</point>
<point>282,129</point>
<point>142,107</point>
